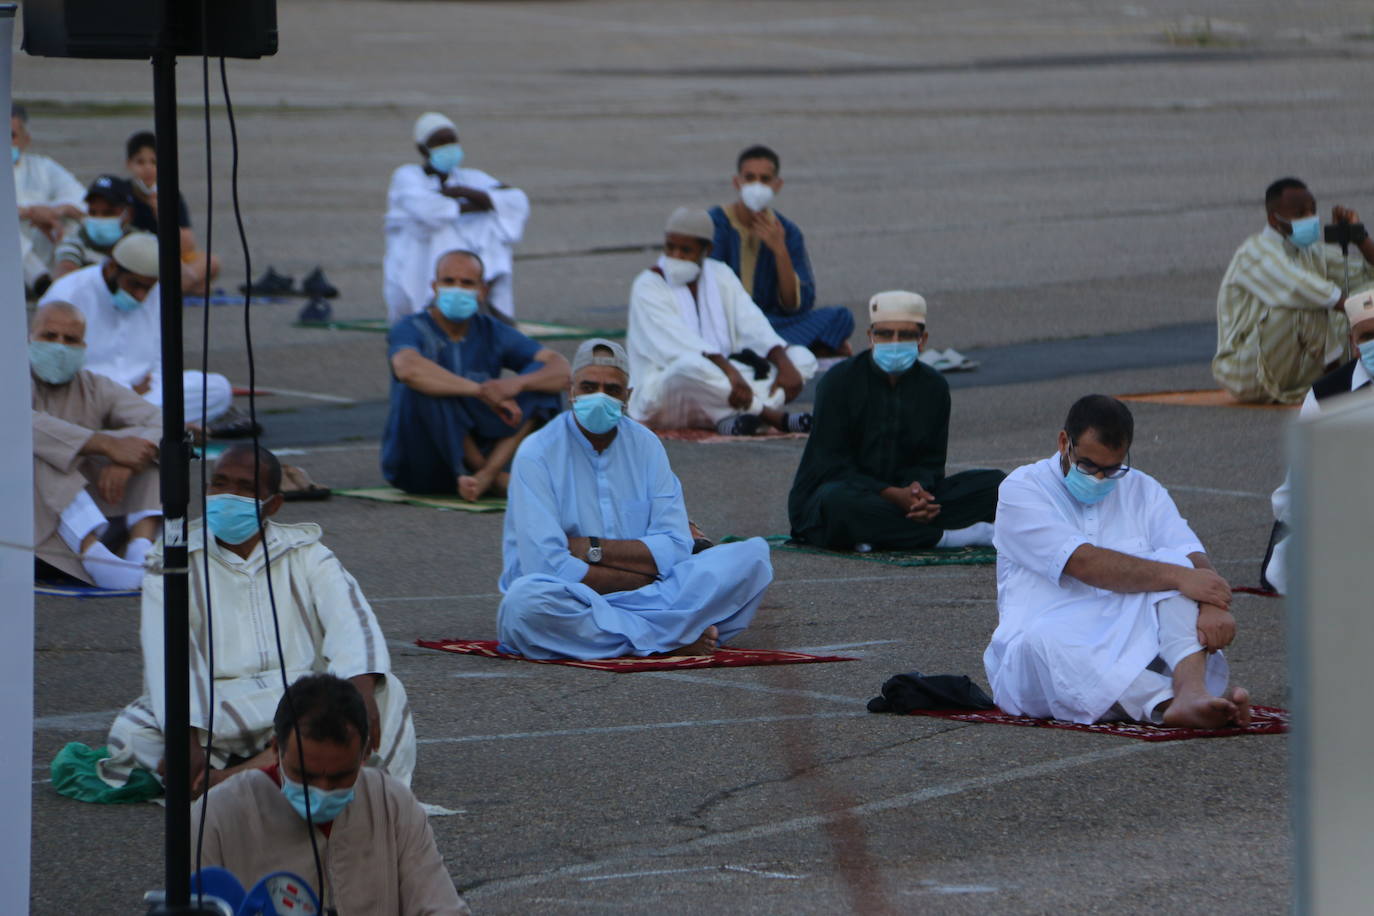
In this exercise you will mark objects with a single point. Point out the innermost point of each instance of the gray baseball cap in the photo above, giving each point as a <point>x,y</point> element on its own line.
<point>586,356</point>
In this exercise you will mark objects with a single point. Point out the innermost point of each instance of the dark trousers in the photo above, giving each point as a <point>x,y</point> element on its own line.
<point>852,514</point>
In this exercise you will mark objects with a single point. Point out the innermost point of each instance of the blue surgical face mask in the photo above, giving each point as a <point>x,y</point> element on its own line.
<point>55,363</point>
<point>1367,356</point>
<point>325,805</point>
<point>446,158</point>
<point>457,303</point>
<point>1087,488</point>
<point>597,413</point>
<point>232,519</point>
<point>896,357</point>
<point>125,301</point>
<point>1305,231</point>
<point>103,231</point>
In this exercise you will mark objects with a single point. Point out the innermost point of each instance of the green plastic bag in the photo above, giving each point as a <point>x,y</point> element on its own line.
<point>74,775</point>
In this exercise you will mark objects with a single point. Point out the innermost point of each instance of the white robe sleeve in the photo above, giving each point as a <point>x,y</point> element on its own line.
<point>511,207</point>
<point>415,195</point>
<point>353,641</point>
<point>1029,531</point>
<point>657,333</point>
<point>64,187</point>
<point>751,329</point>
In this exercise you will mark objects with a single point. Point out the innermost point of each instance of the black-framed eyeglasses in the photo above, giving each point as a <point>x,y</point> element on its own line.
<point>1092,469</point>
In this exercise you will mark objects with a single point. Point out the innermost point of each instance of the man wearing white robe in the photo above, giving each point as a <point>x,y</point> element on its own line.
<point>325,622</point>
<point>1108,606</point>
<point>50,201</point>
<point>437,206</point>
<point>123,310</point>
<point>701,352</point>
<point>597,552</point>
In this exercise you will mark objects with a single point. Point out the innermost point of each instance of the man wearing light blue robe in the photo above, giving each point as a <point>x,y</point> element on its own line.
<point>598,556</point>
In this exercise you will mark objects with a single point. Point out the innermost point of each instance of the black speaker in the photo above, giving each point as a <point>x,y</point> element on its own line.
<point>136,29</point>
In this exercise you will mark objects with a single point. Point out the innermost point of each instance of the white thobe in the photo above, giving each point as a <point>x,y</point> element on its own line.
<point>1064,649</point>
<point>326,626</point>
<point>421,224</point>
<point>127,346</point>
<point>675,385</point>
<point>39,181</point>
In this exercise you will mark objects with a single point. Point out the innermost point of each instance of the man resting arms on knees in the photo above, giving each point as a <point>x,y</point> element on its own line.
<point>598,558</point>
<point>1109,608</point>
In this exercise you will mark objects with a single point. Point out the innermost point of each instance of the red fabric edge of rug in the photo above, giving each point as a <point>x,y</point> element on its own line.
<point>723,658</point>
<point>1253,590</point>
<point>1270,720</point>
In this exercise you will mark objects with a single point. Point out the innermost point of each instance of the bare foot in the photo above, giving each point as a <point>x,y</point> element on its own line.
<point>1201,710</point>
<point>1241,697</point>
<point>705,644</point>
<point>471,487</point>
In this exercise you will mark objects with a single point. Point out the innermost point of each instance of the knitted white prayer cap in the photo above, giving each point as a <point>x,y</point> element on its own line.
<point>427,123</point>
<point>897,305</point>
<point>691,221</point>
<point>137,253</point>
<point>586,356</point>
<point>1360,307</point>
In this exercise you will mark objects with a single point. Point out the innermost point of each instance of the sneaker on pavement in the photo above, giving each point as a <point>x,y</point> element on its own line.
<point>317,286</point>
<point>316,311</point>
<point>271,283</point>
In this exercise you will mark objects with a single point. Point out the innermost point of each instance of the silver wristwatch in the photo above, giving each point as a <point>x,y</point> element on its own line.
<point>594,551</point>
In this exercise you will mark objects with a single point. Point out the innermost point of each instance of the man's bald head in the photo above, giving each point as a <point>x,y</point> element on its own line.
<point>59,322</point>
<point>235,472</point>
<point>459,259</point>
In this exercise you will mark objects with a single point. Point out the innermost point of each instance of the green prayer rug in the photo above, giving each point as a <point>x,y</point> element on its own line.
<point>449,501</point>
<point>74,774</point>
<point>539,330</point>
<point>933,556</point>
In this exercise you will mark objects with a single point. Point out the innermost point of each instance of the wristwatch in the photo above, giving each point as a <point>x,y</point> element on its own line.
<point>594,551</point>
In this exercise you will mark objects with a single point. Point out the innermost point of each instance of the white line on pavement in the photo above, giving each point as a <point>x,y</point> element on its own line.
<point>648,726</point>
<point>1215,492</point>
<point>844,645</point>
<point>310,395</point>
<point>77,721</point>
<point>755,688</point>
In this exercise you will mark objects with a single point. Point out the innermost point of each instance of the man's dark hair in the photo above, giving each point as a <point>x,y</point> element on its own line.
<point>481,267</point>
<point>1109,419</point>
<point>269,465</point>
<point>144,139</point>
<point>758,151</point>
<point>328,708</point>
<point>20,112</point>
<point>1275,191</point>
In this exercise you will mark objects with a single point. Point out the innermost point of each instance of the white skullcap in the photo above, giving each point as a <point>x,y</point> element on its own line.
<point>137,253</point>
<point>897,305</point>
<point>427,123</point>
<point>1360,307</point>
<point>693,222</point>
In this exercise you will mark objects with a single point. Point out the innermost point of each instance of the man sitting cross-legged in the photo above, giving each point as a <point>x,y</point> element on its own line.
<point>873,472</point>
<point>597,556</point>
<point>375,845</point>
<point>1109,608</point>
<point>455,421</point>
<point>702,353</point>
<point>94,457</point>
<point>324,621</point>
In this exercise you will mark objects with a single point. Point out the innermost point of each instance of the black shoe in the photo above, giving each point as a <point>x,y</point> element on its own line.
<point>316,311</point>
<point>234,424</point>
<point>271,283</point>
<point>743,425</point>
<point>798,422</point>
<point>40,286</point>
<point>316,286</point>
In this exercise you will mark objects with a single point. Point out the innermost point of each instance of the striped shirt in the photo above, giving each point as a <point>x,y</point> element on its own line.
<point>1276,326</point>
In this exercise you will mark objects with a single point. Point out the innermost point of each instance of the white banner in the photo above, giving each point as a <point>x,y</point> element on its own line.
<point>16,538</point>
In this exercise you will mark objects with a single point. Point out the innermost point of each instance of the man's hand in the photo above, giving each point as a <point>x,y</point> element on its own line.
<point>769,230</point>
<point>143,385</point>
<point>505,388</point>
<point>1204,586</point>
<point>129,451</point>
<point>1344,215</point>
<point>922,506</point>
<point>499,394</point>
<point>788,379</point>
<point>741,395</point>
<point>46,219</point>
<point>1215,627</point>
<point>367,686</point>
<point>113,480</point>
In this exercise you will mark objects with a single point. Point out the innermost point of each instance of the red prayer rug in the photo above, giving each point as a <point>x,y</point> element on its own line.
<point>1266,720</point>
<point>710,436</point>
<point>721,658</point>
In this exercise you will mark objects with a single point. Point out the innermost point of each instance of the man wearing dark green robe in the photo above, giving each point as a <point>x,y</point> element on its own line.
<point>873,473</point>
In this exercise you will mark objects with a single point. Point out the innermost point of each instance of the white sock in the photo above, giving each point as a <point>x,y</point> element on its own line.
<point>110,571</point>
<point>137,550</point>
<point>979,533</point>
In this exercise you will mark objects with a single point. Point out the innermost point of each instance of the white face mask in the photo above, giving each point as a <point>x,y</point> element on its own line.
<point>678,272</point>
<point>756,196</point>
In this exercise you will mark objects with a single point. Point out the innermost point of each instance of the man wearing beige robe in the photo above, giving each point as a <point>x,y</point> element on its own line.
<point>94,454</point>
<point>377,852</point>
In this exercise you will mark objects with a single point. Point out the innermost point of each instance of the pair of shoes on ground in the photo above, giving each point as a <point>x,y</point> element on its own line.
<point>750,425</point>
<point>233,424</point>
<point>271,283</point>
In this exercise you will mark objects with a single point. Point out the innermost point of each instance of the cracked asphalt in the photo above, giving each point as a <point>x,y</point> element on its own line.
<point>1064,181</point>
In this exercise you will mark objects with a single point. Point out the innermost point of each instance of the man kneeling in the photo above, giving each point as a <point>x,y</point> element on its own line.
<point>375,846</point>
<point>1109,608</point>
<point>598,558</point>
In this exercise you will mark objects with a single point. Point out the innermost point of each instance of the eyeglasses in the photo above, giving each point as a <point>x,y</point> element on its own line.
<point>1092,469</point>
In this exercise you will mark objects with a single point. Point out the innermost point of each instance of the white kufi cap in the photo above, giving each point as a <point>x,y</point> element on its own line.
<point>897,305</point>
<point>1360,307</point>
<point>427,123</point>
<point>137,253</point>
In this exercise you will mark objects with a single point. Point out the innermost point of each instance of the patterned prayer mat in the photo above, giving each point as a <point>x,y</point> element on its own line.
<point>710,436</point>
<point>450,501</point>
<point>1211,397</point>
<point>539,330</point>
<point>81,590</point>
<point>935,556</point>
<point>1267,720</point>
<point>722,658</point>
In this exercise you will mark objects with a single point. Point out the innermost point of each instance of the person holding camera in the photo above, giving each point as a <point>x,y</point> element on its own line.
<point>1280,326</point>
